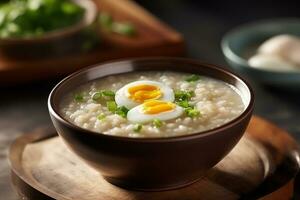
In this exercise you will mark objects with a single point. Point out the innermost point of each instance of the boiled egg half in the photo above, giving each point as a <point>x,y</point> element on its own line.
<point>136,93</point>
<point>154,109</point>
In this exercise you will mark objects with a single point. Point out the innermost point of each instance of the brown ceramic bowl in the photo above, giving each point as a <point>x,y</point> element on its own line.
<point>151,163</point>
<point>53,43</point>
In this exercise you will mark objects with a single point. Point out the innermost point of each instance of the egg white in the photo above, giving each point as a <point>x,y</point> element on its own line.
<point>122,96</point>
<point>136,114</point>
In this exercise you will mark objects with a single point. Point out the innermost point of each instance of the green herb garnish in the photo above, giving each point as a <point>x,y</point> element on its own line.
<point>157,123</point>
<point>137,128</point>
<point>108,93</point>
<point>105,20</point>
<point>184,104</point>
<point>123,28</point>
<point>182,99</point>
<point>122,111</point>
<point>192,112</point>
<point>111,106</point>
<point>103,93</point>
<point>101,117</point>
<point>79,98</point>
<point>32,18</point>
<point>181,95</point>
<point>192,78</point>
<point>96,96</point>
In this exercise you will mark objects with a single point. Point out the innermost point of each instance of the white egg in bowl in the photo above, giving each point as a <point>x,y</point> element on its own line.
<point>137,92</point>
<point>154,109</point>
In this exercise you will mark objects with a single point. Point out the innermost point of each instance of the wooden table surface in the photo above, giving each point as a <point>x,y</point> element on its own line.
<point>24,107</point>
<point>262,165</point>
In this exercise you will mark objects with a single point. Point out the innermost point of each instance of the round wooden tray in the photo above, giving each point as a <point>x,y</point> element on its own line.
<point>262,165</point>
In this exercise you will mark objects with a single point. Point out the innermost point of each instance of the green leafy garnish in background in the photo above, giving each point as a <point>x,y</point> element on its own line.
<point>122,28</point>
<point>91,38</point>
<point>105,19</point>
<point>31,18</point>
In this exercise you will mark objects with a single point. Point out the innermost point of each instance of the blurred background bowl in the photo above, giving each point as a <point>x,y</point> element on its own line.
<point>58,42</point>
<point>241,43</point>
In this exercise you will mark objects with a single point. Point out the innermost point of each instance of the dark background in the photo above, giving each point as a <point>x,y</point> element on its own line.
<point>203,23</point>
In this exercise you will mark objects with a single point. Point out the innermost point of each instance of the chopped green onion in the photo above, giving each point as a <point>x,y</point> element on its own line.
<point>123,28</point>
<point>101,117</point>
<point>181,95</point>
<point>78,97</point>
<point>112,106</point>
<point>182,99</point>
<point>192,112</point>
<point>191,94</point>
<point>157,123</point>
<point>104,93</point>
<point>108,93</point>
<point>96,96</point>
<point>184,104</point>
<point>192,78</point>
<point>33,18</point>
<point>105,20</point>
<point>122,111</point>
<point>137,128</point>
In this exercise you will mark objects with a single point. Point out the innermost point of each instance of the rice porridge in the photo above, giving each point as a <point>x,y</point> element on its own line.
<point>152,104</point>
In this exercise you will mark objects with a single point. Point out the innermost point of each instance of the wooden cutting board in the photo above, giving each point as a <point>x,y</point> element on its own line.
<point>153,38</point>
<point>262,165</point>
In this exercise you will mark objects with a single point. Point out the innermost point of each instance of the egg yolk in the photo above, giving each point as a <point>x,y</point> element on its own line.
<point>155,106</point>
<point>141,93</point>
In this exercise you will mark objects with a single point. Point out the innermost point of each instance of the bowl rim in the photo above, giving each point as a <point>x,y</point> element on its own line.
<point>54,111</point>
<point>234,57</point>
<point>89,17</point>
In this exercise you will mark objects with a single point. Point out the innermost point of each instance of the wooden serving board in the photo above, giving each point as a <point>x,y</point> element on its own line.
<point>262,165</point>
<point>153,38</point>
